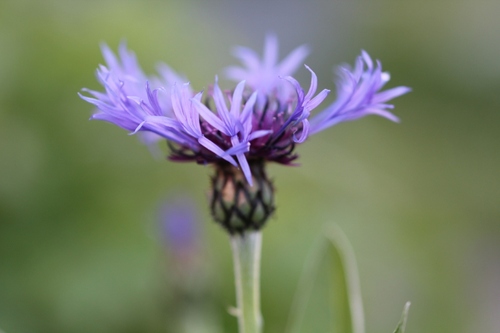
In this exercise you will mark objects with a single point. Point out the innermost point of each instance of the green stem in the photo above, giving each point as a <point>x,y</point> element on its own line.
<point>246,255</point>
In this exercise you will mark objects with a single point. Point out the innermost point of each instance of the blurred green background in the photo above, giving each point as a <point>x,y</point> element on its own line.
<point>80,246</point>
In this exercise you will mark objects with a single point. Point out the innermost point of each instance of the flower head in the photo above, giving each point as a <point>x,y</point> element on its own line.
<point>261,119</point>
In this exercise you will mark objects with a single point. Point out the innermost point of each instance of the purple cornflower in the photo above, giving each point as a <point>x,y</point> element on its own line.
<point>264,117</point>
<point>261,119</point>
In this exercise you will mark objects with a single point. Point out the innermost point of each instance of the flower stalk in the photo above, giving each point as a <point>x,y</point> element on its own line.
<point>246,255</point>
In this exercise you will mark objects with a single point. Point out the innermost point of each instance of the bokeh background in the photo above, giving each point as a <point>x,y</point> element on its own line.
<point>81,246</point>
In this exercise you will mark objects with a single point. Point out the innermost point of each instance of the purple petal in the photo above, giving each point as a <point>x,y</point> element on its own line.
<point>258,134</point>
<point>245,168</point>
<point>248,109</point>
<point>313,103</point>
<point>270,51</point>
<point>304,134</point>
<point>241,148</point>
<point>290,64</point>
<point>216,150</point>
<point>367,59</point>
<point>296,85</point>
<point>314,84</point>
<point>210,117</point>
<point>221,106</point>
<point>390,94</point>
<point>236,101</point>
<point>247,56</point>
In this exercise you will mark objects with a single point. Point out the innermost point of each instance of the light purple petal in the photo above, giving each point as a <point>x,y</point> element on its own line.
<point>296,85</point>
<point>247,56</point>
<point>216,150</point>
<point>236,101</point>
<point>270,51</point>
<point>241,148</point>
<point>292,62</point>
<point>185,111</point>
<point>245,168</point>
<point>390,94</point>
<point>221,107</point>
<point>248,109</point>
<point>304,134</point>
<point>367,59</point>
<point>313,103</point>
<point>314,84</point>
<point>382,113</point>
<point>210,117</point>
<point>258,134</point>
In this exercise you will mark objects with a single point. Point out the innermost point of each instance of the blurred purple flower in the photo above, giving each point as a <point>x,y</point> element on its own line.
<point>268,110</point>
<point>180,227</point>
<point>265,76</point>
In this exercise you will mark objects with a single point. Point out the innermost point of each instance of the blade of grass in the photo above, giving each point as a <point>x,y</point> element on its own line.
<point>402,322</point>
<point>346,265</point>
<point>347,304</point>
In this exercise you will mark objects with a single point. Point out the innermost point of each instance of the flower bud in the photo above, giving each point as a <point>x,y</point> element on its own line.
<point>235,204</point>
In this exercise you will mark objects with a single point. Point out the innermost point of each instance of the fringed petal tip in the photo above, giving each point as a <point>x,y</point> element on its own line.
<point>359,93</point>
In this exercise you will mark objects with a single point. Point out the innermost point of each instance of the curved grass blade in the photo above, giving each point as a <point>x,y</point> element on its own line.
<point>347,307</point>
<point>402,322</point>
<point>345,266</point>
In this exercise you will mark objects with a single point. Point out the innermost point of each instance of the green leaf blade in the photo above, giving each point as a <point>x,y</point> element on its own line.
<point>402,322</point>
